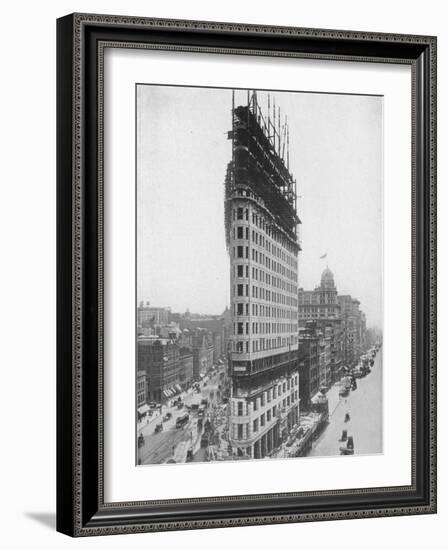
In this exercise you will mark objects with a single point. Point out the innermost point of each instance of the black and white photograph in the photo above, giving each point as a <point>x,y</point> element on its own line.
<point>233,217</point>
<point>259,303</point>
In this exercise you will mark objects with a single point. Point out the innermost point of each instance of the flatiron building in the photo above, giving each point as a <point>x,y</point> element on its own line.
<point>261,231</point>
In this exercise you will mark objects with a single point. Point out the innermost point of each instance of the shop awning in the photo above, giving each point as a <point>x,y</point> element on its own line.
<point>166,393</point>
<point>143,409</point>
<point>178,388</point>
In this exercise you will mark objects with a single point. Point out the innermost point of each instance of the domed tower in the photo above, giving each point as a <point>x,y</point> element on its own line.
<point>328,294</point>
<point>327,280</point>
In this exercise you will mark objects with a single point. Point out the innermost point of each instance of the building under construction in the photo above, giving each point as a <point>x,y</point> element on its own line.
<point>261,231</point>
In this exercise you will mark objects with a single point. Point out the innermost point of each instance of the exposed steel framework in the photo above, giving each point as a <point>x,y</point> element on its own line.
<point>259,173</point>
<point>260,160</point>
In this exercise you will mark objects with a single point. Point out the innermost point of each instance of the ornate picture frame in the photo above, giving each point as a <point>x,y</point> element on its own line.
<point>81,43</point>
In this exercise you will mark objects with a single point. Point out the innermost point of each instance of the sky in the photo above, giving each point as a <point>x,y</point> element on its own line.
<point>336,156</point>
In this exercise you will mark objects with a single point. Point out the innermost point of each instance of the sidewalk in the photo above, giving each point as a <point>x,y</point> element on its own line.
<point>333,398</point>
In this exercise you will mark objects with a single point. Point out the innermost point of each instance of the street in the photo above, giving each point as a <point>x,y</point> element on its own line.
<point>364,406</point>
<point>161,446</point>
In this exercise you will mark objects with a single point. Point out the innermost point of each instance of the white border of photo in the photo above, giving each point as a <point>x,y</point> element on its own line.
<point>123,480</point>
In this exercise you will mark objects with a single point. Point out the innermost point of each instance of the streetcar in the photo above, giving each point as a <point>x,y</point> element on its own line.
<point>182,420</point>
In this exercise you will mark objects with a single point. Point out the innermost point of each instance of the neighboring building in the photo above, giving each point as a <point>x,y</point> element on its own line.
<point>200,341</point>
<point>336,363</point>
<point>142,406</point>
<point>203,352</point>
<point>353,329</point>
<point>348,329</point>
<point>170,330</point>
<point>141,388</point>
<point>148,316</point>
<point>362,332</point>
<point>320,304</point>
<point>357,336</point>
<point>325,378</point>
<point>186,338</point>
<point>261,234</point>
<point>159,358</point>
<point>215,326</point>
<point>322,307</point>
<point>185,367</point>
<point>309,352</point>
<point>146,331</point>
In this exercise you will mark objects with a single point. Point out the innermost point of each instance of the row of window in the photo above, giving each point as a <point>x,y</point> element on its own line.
<point>271,413</point>
<point>242,271</point>
<point>310,315</point>
<point>243,232</point>
<point>264,328</point>
<point>277,390</point>
<point>316,300</point>
<point>242,252</point>
<point>261,310</point>
<point>264,294</point>
<point>260,222</point>
<point>141,400</point>
<point>285,402</point>
<point>308,309</point>
<point>242,430</point>
<point>263,344</point>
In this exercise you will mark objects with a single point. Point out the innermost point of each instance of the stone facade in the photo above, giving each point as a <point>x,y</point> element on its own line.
<point>168,368</point>
<point>261,235</point>
<point>141,388</point>
<point>353,327</point>
<point>337,327</point>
